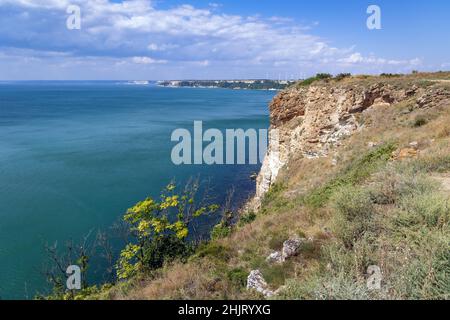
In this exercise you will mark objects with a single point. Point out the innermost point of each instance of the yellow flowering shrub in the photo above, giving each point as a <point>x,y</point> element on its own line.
<point>158,225</point>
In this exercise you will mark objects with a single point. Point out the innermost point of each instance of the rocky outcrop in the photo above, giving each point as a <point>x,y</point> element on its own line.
<point>311,121</point>
<point>433,97</point>
<point>255,281</point>
<point>291,248</point>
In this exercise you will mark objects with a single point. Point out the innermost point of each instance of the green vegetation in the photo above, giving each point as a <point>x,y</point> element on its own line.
<point>159,237</point>
<point>247,218</point>
<point>401,209</point>
<point>238,277</point>
<point>420,121</point>
<point>391,75</point>
<point>160,231</point>
<point>220,230</point>
<point>353,214</point>
<point>213,250</point>
<point>317,77</point>
<point>273,196</point>
<point>324,77</point>
<point>354,173</point>
<point>342,76</point>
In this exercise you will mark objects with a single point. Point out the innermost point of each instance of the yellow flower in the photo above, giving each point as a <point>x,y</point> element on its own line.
<point>170,187</point>
<point>158,225</point>
<point>183,233</point>
<point>170,202</point>
<point>143,227</point>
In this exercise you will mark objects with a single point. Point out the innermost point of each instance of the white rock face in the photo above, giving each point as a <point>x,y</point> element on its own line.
<point>271,166</point>
<point>255,281</point>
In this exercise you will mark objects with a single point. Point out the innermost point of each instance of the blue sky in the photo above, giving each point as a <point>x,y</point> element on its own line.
<point>206,39</point>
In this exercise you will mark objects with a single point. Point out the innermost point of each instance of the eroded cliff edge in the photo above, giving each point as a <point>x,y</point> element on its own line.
<point>310,121</point>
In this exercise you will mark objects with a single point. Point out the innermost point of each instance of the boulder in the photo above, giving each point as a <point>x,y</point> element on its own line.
<point>291,247</point>
<point>405,153</point>
<point>255,281</point>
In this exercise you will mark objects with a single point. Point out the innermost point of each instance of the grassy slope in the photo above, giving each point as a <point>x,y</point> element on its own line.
<point>367,210</point>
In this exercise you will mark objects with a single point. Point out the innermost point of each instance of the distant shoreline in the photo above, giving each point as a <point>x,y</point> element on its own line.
<point>266,85</point>
<point>216,87</point>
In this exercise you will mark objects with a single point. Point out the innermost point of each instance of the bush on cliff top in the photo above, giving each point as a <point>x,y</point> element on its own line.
<point>317,77</point>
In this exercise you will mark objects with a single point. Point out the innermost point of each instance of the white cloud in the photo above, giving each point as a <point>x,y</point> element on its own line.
<point>147,60</point>
<point>204,63</point>
<point>48,4</point>
<point>161,47</point>
<point>358,58</point>
<point>129,30</point>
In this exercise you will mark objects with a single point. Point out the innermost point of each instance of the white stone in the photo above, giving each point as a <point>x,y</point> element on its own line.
<point>255,281</point>
<point>291,247</point>
<point>414,144</point>
<point>275,257</point>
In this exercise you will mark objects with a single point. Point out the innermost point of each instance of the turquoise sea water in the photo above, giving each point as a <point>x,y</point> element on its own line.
<point>75,155</point>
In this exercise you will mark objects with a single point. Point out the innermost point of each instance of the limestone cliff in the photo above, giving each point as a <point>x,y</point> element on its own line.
<point>310,120</point>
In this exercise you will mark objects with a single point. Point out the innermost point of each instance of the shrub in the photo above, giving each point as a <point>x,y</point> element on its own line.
<point>322,76</point>
<point>213,250</point>
<point>247,218</point>
<point>276,274</point>
<point>274,192</point>
<point>276,241</point>
<point>220,230</point>
<point>161,229</point>
<point>353,214</point>
<point>317,77</point>
<point>316,287</point>
<point>224,227</point>
<point>238,277</point>
<point>425,278</point>
<point>428,209</point>
<point>274,201</point>
<point>165,250</point>
<point>391,75</point>
<point>342,76</point>
<point>419,121</point>
<point>437,161</point>
<point>398,181</point>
